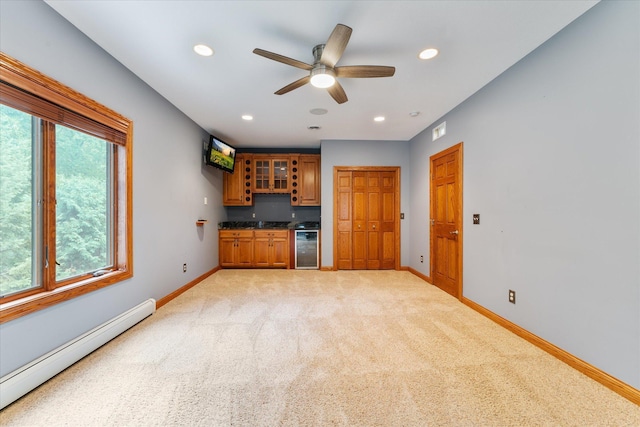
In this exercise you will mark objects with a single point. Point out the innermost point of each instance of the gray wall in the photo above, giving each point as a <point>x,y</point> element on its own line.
<point>552,164</point>
<point>169,181</point>
<point>273,207</point>
<point>362,153</point>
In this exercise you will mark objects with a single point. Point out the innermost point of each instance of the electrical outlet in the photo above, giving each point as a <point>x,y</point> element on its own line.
<point>205,201</point>
<point>512,296</point>
<point>184,267</point>
<point>293,214</point>
<point>253,215</point>
<point>476,218</point>
<point>421,258</point>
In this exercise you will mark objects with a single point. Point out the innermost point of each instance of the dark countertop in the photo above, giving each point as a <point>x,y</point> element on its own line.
<point>273,225</point>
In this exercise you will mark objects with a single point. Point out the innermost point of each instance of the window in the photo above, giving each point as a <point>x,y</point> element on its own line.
<point>65,192</point>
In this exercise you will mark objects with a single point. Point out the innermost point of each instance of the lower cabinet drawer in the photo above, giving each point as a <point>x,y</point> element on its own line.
<point>244,234</point>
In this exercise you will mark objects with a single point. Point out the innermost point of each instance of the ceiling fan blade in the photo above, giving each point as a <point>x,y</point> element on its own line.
<point>336,44</point>
<point>337,92</point>
<point>364,71</point>
<point>295,85</point>
<point>283,59</point>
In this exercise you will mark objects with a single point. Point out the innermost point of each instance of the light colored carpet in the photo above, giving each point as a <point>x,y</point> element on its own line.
<point>310,348</point>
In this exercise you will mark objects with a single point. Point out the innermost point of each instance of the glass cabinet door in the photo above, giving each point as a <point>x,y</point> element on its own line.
<point>271,174</point>
<point>280,174</point>
<point>261,177</point>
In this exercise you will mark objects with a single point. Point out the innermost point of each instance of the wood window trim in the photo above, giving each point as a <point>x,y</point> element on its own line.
<point>25,78</point>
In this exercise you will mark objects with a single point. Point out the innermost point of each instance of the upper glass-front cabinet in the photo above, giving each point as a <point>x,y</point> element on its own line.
<point>271,174</point>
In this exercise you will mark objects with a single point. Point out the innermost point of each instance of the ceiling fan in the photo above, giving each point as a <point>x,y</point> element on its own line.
<point>323,72</point>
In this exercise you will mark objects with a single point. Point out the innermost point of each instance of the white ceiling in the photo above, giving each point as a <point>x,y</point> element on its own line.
<point>477,40</point>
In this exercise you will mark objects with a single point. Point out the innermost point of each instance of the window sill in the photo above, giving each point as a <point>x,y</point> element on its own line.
<point>32,303</point>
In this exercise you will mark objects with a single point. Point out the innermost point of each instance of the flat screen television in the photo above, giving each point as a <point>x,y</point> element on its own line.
<point>220,154</point>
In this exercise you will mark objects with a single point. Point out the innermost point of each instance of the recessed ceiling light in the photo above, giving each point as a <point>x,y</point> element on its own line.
<point>313,127</point>
<point>414,113</point>
<point>428,53</point>
<point>247,117</point>
<point>203,50</point>
<point>318,111</point>
<point>379,119</point>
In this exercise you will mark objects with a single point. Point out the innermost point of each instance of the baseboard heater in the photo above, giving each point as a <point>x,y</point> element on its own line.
<point>23,380</point>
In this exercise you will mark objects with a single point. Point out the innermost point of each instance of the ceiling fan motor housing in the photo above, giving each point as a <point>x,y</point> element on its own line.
<point>317,53</point>
<point>322,76</point>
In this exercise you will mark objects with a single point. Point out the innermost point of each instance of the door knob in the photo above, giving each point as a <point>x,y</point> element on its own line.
<point>453,232</point>
<point>374,226</point>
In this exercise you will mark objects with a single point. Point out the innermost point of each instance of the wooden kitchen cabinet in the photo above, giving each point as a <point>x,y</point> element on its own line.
<point>236,189</point>
<point>308,183</point>
<point>295,174</point>
<point>235,248</point>
<point>271,248</point>
<point>249,248</point>
<point>270,173</point>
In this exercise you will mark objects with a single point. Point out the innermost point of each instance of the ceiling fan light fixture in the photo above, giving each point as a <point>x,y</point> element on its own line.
<point>322,77</point>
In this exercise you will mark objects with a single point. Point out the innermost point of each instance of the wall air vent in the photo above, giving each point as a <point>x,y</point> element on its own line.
<point>439,131</point>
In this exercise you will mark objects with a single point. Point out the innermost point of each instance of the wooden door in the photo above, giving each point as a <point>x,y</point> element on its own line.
<point>359,215</point>
<point>373,216</point>
<point>446,220</point>
<point>367,228</point>
<point>343,243</point>
<point>389,221</point>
